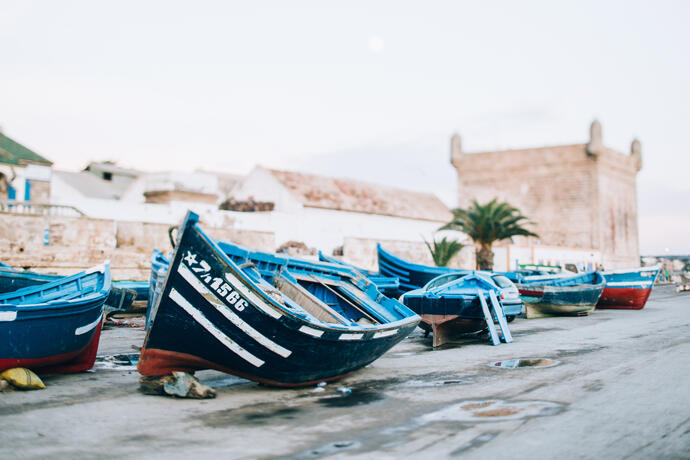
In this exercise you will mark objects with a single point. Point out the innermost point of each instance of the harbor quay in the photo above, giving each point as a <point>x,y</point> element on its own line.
<point>612,384</point>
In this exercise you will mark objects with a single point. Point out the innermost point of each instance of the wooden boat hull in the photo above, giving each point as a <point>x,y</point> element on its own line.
<point>388,285</point>
<point>211,314</point>
<point>452,310</point>
<point>411,276</point>
<point>12,279</point>
<point>59,335</point>
<point>559,300</point>
<point>445,327</point>
<point>140,288</point>
<point>122,293</point>
<point>628,289</point>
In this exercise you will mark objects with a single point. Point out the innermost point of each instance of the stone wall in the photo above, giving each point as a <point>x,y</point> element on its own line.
<point>580,196</point>
<point>362,253</point>
<point>40,191</point>
<point>76,243</point>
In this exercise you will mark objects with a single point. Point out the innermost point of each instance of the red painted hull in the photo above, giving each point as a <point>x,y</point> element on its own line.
<point>623,298</point>
<point>156,363</point>
<point>66,363</point>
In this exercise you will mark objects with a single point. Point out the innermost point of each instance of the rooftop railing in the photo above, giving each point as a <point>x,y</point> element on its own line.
<point>38,209</point>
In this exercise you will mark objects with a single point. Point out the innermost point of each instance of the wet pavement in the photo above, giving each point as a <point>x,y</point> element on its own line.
<point>618,387</point>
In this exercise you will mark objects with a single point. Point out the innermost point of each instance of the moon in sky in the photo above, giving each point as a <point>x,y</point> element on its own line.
<point>376,44</point>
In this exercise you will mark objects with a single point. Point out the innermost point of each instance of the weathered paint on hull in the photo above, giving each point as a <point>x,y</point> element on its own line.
<point>628,289</point>
<point>624,298</point>
<point>162,362</point>
<point>543,310</point>
<point>64,363</point>
<point>548,300</point>
<point>54,327</point>
<point>213,315</point>
<point>444,327</point>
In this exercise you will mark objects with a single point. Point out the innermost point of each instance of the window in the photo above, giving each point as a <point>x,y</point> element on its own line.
<point>502,281</point>
<point>107,176</point>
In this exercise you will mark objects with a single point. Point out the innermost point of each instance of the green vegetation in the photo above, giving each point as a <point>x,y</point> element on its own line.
<point>444,250</point>
<point>487,223</point>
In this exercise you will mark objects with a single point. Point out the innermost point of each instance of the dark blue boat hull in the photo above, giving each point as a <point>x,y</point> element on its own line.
<point>209,315</point>
<point>574,295</point>
<point>410,275</point>
<point>59,335</point>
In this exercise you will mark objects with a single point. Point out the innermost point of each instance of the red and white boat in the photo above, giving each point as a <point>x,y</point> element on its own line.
<point>629,288</point>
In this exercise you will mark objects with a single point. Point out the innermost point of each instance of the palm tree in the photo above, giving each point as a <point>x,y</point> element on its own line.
<point>443,251</point>
<point>488,223</point>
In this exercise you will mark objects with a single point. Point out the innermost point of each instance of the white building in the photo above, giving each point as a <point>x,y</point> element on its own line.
<point>328,213</point>
<point>324,213</point>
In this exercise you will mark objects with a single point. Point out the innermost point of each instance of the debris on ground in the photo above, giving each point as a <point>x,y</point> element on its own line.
<point>122,362</point>
<point>178,384</point>
<point>319,387</point>
<point>23,379</point>
<point>124,320</point>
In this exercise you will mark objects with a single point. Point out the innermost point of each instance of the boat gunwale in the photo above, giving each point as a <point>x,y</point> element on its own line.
<point>250,284</point>
<point>59,302</point>
<point>623,271</point>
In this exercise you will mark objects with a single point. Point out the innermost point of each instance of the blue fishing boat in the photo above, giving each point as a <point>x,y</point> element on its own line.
<point>388,285</point>
<point>264,322</point>
<point>122,293</point>
<point>451,304</point>
<point>628,289</point>
<point>140,288</point>
<point>240,255</point>
<point>411,276</point>
<point>12,278</point>
<point>54,327</point>
<point>561,294</point>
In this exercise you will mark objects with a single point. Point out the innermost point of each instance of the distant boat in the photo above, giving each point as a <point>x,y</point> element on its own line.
<point>451,304</point>
<point>410,275</point>
<point>122,293</point>
<point>389,285</point>
<point>141,288</point>
<point>159,267</point>
<point>54,327</point>
<point>628,289</point>
<point>561,294</point>
<point>264,322</point>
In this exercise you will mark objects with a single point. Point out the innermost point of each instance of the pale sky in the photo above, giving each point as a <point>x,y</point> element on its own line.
<point>368,90</point>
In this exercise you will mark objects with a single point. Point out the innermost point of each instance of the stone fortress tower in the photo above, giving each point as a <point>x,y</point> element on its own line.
<point>579,196</point>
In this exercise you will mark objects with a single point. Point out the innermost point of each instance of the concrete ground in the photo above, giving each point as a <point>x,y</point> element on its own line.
<point>621,390</point>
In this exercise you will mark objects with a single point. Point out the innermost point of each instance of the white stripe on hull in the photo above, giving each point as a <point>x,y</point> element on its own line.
<point>253,298</point>
<point>350,336</point>
<point>211,298</point>
<point>86,328</point>
<point>310,331</point>
<point>8,315</point>
<point>211,328</point>
<point>385,333</point>
<point>629,283</point>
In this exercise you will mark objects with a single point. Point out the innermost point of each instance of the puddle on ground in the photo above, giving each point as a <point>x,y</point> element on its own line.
<point>355,398</point>
<point>127,362</point>
<point>525,362</point>
<point>493,410</point>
